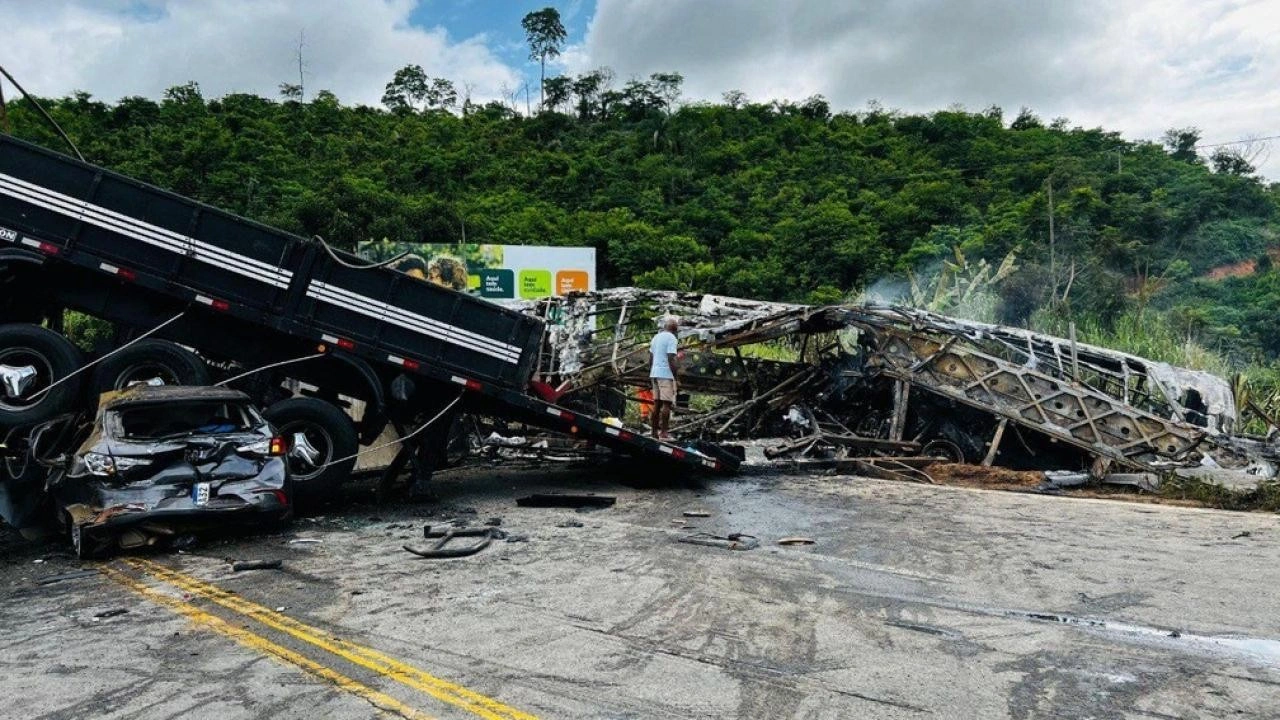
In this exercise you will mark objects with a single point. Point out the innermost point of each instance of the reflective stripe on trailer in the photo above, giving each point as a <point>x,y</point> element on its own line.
<point>125,273</point>
<point>343,343</point>
<point>405,363</point>
<point>143,231</point>
<point>562,414</point>
<point>395,315</point>
<point>44,247</point>
<point>215,303</point>
<point>468,383</point>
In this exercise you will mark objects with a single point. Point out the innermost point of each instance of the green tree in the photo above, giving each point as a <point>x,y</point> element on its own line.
<point>407,89</point>
<point>589,87</point>
<point>440,94</point>
<point>557,89</point>
<point>734,98</point>
<point>666,86</point>
<point>545,35</point>
<point>1231,162</point>
<point>1182,143</point>
<point>1026,120</point>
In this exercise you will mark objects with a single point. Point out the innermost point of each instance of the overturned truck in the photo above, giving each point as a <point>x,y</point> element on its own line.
<point>884,380</point>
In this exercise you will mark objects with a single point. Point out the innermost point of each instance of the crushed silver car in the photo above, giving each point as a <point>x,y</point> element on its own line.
<point>158,463</point>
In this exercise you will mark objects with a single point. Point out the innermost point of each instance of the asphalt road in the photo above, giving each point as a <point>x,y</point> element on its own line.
<point>913,602</point>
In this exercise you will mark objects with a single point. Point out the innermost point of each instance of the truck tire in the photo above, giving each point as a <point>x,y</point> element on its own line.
<point>327,430</point>
<point>52,357</point>
<point>147,361</point>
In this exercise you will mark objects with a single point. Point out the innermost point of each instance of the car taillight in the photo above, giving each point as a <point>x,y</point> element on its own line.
<point>281,497</point>
<point>275,446</point>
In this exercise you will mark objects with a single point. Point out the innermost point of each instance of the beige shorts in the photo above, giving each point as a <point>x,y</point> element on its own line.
<point>664,390</point>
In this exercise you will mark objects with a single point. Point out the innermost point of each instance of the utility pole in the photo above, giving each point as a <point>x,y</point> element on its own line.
<point>302,88</point>
<point>1053,258</point>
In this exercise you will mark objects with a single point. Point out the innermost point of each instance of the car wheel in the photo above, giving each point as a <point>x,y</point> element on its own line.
<point>317,433</point>
<point>32,359</point>
<point>150,362</point>
<point>91,545</point>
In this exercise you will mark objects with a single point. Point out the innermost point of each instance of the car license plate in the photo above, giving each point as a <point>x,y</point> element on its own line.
<point>200,493</point>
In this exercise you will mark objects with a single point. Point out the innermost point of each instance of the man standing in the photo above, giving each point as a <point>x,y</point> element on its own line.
<point>662,373</point>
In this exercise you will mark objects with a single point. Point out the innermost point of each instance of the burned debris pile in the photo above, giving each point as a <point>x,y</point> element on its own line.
<point>875,381</point>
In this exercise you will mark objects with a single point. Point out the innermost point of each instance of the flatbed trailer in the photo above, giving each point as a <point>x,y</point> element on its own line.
<point>74,236</point>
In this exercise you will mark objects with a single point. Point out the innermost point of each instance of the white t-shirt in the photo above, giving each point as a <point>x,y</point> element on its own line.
<point>663,344</point>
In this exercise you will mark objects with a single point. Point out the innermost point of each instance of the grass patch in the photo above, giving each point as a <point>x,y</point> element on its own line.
<point>1265,497</point>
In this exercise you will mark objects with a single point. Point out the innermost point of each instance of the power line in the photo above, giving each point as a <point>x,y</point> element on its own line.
<point>1244,141</point>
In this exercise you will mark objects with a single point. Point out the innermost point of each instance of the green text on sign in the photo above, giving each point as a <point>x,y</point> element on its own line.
<point>535,283</point>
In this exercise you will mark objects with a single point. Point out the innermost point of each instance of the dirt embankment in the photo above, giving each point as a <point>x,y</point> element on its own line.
<point>990,478</point>
<point>1243,268</point>
<point>1182,492</point>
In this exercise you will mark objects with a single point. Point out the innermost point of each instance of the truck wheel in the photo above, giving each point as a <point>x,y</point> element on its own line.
<point>150,362</point>
<point>317,433</point>
<point>31,359</point>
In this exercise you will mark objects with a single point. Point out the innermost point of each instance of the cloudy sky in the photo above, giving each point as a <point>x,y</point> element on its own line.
<point>1136,66</point>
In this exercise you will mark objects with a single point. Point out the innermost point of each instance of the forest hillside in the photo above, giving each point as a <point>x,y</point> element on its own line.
<point>1156,246</point>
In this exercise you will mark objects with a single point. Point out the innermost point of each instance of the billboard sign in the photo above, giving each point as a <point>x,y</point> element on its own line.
<point>494,272</point>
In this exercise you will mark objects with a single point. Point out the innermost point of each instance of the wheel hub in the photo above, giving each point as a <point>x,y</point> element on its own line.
<point>304,451</point>
<point>148,374</point>
<point>941,447</point>
<point>17,380</point>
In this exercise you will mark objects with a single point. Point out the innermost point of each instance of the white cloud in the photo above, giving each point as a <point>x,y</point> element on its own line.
<point>1139,67</point>
<point>117,47</point>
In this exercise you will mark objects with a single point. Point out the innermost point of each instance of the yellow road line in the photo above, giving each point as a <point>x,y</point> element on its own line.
<point>365,657</point>
<point>265,646</point>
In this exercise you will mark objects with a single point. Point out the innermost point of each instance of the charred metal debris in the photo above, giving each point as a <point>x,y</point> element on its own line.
<point>884,384</point>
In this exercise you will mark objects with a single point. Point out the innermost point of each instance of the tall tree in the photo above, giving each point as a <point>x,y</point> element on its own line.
<point>440,94</point>
<point>409,87</point>
<point>667,87</point>
<point>734,98</point>
<point>546,34</point>
<point>1182,143</point>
